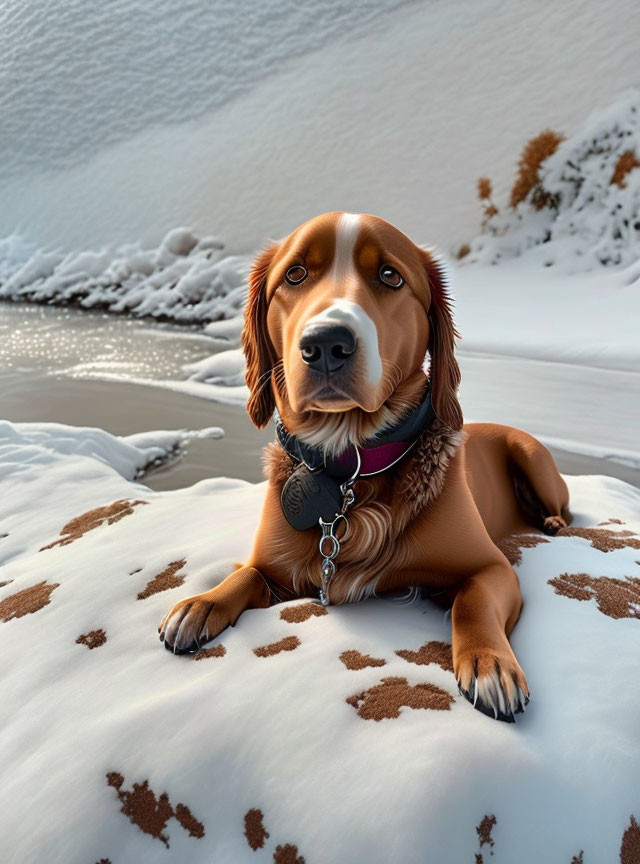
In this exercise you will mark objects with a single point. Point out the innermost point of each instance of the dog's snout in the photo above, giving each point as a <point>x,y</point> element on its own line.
<point>327,348</point>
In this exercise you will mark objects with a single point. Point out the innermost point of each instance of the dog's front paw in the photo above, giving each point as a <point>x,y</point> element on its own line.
<point>493,682</point>
<point>192,622</point>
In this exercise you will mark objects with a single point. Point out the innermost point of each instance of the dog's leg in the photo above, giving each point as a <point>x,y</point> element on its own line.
<point>539,468</point>
<point>196,620</point>
<point>484,612</point>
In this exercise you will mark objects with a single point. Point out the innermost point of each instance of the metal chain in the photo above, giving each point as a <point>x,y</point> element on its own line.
<point>329,545</point>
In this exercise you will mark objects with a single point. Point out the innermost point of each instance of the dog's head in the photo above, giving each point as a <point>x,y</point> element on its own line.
<point>339,319</point>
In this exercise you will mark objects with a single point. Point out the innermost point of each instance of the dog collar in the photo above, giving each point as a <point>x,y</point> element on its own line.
<point>376,454</point>
<point>315,489</point>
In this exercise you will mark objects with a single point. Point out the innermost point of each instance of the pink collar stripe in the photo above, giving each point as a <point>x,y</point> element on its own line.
<point>377,459</point>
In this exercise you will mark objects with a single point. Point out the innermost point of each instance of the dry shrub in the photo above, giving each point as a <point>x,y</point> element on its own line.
<point>489,209</point>
<point>463,251</point>
<point>625,165</point>
<point>484,188</point>
<point>534,154</point>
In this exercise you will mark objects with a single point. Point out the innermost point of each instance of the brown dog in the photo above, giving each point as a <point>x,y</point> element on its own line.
<point>340,317</point>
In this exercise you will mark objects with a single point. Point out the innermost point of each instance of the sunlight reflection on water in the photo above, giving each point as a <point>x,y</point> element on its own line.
<point>81,344</point>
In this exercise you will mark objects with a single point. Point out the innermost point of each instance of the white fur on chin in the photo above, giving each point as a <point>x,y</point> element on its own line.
<point>334,432</point>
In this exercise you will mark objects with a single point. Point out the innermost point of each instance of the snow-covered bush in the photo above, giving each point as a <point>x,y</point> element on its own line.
<point>575,202</point>
<point>185,279</point>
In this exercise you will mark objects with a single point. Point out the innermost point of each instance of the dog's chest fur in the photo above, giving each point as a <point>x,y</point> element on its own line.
<point>385,506</point>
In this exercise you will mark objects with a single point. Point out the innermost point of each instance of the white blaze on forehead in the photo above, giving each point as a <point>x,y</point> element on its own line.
<point>347,231</point>
<point>349,314</point>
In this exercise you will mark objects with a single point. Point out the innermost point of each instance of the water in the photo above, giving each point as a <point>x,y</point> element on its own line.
<point>53,362</point>
<point>65,341</point>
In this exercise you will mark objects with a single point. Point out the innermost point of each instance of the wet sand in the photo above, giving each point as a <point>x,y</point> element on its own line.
<point>123,408</point>
<point>51,363</point>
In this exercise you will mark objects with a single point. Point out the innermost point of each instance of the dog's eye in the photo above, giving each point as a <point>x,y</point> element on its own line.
<point>296,274</point>
<point>390,276</point>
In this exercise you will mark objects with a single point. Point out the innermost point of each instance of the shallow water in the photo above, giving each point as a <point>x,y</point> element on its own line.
<point>62,340</point>
<point>53,360</point>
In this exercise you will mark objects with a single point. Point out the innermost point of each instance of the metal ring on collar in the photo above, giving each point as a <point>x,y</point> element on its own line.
<point>335,546</point>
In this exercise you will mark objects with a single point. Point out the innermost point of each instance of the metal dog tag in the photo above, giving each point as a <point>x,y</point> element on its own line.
<point>307,496</point>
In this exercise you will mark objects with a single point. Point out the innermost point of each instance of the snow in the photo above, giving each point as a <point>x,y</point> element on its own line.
<point>231,733</point>
<point>239,126</point>
<point>521,310</point>
<point>594,218</point>
<point>554,353</point>
<point>228,366</point>
<point>584,410</point>
<point>176,74</point>
<point>185,278</point>
<point>245,119</point>
<point>623,457</point>
<point>129,455</point>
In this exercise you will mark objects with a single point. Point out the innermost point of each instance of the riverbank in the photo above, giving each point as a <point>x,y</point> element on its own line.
<point>54,362</point>
<point>124,409</point>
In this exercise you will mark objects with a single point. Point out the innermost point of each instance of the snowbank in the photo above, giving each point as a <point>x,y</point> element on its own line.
<point>184,279</point>
<point>588,319</point>
<point>585,210</point>
<point>129,456</point>
<point>114,749</point>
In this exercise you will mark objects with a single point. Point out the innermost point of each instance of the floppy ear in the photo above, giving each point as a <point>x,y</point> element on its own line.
<point>444,370</point>
<point>257,346</point>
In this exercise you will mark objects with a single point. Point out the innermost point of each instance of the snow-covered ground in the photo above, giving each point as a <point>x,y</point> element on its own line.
<point>520,310</point>
<point>241,121</point>
<point>113,749</point>
<point>556,354</point>
<point>244,119</point>
<point>184,278</point>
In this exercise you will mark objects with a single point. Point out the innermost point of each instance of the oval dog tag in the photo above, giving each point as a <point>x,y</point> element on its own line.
<point>306,496</point>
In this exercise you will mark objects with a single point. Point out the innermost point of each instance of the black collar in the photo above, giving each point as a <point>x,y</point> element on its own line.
<point>408,427</point>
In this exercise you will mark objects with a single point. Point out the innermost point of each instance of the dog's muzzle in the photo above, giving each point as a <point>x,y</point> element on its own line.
<point>327,348</point>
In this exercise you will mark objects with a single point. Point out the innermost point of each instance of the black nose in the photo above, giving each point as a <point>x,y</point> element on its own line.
<point>327,348</point>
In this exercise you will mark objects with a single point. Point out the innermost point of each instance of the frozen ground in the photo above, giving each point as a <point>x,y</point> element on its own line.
<point>114,749</point>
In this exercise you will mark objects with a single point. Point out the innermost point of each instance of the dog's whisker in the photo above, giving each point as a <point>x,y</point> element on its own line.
<point>266,375</point>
